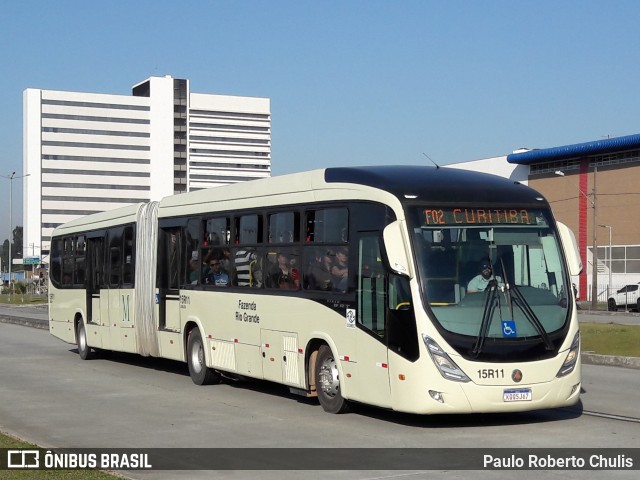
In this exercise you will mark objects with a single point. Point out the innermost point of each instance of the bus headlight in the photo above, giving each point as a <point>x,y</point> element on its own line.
<point>447,367</point>
<point>572,357</point>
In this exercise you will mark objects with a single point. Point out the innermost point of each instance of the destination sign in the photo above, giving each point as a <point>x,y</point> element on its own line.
<point>482,216</point>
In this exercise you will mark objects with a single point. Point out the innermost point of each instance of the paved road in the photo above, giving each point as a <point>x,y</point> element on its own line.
<point>52,398</point>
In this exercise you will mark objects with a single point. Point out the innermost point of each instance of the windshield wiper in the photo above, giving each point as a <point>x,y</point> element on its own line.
<point>491,300</point>
<point>531,316</point>
<point>521,303</point>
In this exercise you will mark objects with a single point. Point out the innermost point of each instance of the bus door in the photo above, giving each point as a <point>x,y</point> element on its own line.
<point>370,334</point>
<point>122,261</point>
<point>114,277</point>
<point>94,279</point>
<point>169,267</point>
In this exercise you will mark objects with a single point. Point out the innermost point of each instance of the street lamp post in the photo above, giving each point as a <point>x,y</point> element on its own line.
<point>594,261</point>
<point>11,178</point>
<point>609,257</point>
<point>594,257</point>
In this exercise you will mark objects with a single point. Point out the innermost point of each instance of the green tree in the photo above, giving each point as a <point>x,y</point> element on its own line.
<point>16,250</point>
<point>4,251</point>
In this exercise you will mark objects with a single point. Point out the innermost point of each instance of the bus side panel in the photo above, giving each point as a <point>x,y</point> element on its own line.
<point>126,323</point>
<point>170,340</point>
<point>95,335</point>
<point>120,319</point>
<point>272,351</point>
<point>248,360</point>
<point>105,321</point>
<point>63,305</point>
<point>252,335</point>
<point>171,345</point>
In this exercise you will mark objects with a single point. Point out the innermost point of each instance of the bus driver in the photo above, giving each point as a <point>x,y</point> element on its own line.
<point>480,282</point>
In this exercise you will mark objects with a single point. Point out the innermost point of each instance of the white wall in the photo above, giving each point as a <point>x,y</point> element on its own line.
<point>31,155</point>
<point>94,152</point>
<point>238,148</point>
<point>496,166</point>
<point>161,142</point>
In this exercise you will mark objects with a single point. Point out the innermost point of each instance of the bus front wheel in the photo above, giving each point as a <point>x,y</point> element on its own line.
<point>81,339</point>
<point>328,382</point>
<point>200,373</point>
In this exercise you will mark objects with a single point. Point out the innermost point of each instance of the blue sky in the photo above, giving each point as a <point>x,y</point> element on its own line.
<point>350,82</point>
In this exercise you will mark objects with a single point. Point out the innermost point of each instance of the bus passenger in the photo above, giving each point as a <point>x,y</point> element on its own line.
<point>320,271</point>
<point>284,275</point>
<point>480,282</point>
<point>194,265</point>
<point>217,277</point>
<point>340,270</point>
<point>225,260</point>
<point>248,272</point>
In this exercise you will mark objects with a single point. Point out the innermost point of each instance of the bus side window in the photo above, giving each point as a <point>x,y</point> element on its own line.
<point>80,264</point>
<point>371,287</point>
<point>217,231</point>
<point>192,255</point>
<point>329,225</point>
<point>56,261</point>
<point>67,262</point>
<point>247,257</point>
<point>284,227</point>
<point>127,257</point>
<point>115,256</point>
<point>169,258</point>
<point>248,229</point>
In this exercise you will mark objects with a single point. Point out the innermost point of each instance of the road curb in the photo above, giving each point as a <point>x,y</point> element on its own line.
<point>26,322</point>
<point>610,360</point>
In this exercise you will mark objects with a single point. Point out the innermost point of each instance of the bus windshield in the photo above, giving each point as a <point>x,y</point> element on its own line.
<point>491,273</point>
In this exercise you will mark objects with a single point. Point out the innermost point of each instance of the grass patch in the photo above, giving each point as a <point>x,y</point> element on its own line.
<point>610,339</point>
<point>7,441</point>
<point>19,299</point>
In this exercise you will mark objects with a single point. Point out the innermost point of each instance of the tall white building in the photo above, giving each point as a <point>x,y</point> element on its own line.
<point>91,152</point>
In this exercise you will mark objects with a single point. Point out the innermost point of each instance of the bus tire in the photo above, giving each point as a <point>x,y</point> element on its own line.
<point>84,350</point>
<point>196,360</point>
<point>328,382</point>
<point>611,305</point>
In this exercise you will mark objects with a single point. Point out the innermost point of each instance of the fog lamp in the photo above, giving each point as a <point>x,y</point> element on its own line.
<point>437,396</point>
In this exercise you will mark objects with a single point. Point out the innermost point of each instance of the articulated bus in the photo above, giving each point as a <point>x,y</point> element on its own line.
<point>352,285</point>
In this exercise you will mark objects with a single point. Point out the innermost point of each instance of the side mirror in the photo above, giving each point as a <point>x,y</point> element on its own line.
<point>396,248</point>
<point>571,251</point>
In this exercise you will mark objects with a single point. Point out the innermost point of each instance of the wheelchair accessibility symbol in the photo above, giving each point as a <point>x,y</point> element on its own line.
<point>509,328</point>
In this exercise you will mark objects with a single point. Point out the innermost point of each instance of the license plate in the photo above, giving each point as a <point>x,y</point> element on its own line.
<point>520,395</point>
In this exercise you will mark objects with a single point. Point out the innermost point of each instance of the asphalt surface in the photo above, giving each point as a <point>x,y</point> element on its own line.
<point>36,316</point>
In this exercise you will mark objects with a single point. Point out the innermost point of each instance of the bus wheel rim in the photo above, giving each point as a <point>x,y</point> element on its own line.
<point>329,379</point>
<point>82,339</point>
<point>197,357</point>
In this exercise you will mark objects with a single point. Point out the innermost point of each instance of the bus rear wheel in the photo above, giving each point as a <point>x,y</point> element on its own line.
<point>81,339</point>
<point>198,370</point>
<point>611,305</point>
<point>328,382</point>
